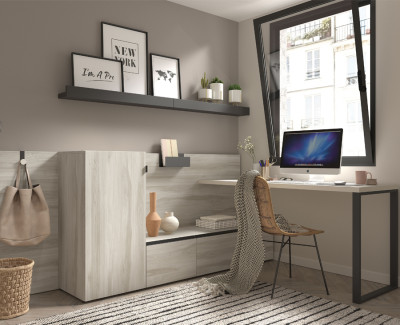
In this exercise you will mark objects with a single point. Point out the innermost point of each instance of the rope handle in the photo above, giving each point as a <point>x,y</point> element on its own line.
<point>28,177</point>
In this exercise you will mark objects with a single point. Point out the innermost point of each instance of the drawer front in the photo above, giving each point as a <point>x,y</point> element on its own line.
<point>171,262</point>
<point>214,253</point>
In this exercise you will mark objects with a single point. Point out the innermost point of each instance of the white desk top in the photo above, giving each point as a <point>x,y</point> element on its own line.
<point>310,187</point>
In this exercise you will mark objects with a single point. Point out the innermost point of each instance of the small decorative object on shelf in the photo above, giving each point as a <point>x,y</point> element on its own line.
<point>204,93</point>
<point>235,94</point>
<point>216,222</point>
<point>170,156</point>
<point>169,223</point>
<point>248,147</point>
<point>153,220</point>
<point>217,87</point>
<point>165,76</point>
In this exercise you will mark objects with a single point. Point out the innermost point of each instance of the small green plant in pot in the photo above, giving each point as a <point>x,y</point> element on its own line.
<point>235,94</point>
<point>204,93</point>
<point>217,87</point>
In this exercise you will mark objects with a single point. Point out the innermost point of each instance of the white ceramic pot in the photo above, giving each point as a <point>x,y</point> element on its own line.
<point>169,223</point>
<point>204,94</point>
<point>217,91</point>
<point>256,167</point>
<point>235,96</point>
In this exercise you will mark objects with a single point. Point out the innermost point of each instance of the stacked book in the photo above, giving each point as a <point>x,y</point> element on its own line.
<point>217,222</point>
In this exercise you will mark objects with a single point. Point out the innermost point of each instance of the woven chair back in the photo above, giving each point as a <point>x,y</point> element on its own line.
<point>264,204</point>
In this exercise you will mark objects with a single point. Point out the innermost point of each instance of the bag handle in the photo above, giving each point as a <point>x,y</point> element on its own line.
<point>28,177</point>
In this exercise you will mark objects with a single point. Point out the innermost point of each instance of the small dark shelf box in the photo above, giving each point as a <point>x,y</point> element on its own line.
<point>180,161</point>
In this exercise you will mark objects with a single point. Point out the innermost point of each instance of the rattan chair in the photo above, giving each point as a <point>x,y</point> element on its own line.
<point>271,225</point>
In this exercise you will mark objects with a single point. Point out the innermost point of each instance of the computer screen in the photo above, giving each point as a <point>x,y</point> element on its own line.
<point>312,151</point>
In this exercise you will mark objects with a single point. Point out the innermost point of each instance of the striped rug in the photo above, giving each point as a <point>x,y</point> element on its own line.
<point>186,305</point>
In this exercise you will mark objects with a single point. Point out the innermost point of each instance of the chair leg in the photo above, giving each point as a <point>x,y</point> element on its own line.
<point>277,267</point>
<point>320,263</point>
<point>290,258</point>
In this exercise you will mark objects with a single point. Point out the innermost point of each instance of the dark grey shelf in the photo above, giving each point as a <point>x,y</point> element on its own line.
<point>119,98</point>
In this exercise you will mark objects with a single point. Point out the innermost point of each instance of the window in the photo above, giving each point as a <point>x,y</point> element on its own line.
<point>313,112</point>
<point>354,113</point>
<point>342,34</point>
<point>313,64</point>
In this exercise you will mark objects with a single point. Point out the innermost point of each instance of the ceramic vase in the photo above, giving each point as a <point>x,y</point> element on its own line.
<point>205,94</point>
<point>169,223</point>
<point>153,220</point>
<point>256,167</point>
<point>235,96</point>
<point>217,91</point>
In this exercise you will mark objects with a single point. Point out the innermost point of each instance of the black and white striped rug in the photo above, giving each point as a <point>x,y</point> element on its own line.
<point>186,305</point>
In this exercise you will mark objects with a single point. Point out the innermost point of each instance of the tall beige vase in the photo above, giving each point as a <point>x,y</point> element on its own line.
<point>153,220</point>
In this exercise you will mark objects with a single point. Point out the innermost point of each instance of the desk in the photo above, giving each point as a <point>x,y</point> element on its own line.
<point>357,191</point>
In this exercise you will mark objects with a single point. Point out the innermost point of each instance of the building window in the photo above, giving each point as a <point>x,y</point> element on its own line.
<point>306,33</point>
<point>313,112</point>
<point>313,64</point>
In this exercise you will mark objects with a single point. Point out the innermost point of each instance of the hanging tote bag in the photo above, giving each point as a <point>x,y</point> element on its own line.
<point>24,214</point>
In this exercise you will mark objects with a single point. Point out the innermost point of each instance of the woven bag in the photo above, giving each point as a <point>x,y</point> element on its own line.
<point>15,286</point>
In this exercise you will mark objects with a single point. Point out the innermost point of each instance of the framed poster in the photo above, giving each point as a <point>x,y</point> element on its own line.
<point>94,72</point>
<point>165,76</point>
<point>130,47</point>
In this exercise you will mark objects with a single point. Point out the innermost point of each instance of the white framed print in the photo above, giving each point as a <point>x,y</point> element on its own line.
<point>165,76</point>
<point>98,73</point>
<point>130,47</point>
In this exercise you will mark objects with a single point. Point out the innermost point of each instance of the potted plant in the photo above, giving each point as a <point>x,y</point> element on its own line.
<point>204,93</point>
<point>235,94</point>
<point>217,87</point>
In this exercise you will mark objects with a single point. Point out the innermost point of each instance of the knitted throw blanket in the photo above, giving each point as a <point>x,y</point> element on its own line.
<point>248,257</point>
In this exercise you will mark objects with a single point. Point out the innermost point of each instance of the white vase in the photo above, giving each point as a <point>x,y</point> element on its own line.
<point>204,94</point>
<point>235,96</point>
<point>169,223</point>
<point>217,91</point>
<point>256,167</point>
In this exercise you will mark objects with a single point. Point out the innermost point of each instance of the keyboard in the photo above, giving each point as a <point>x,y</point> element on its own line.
<point>308,183</point>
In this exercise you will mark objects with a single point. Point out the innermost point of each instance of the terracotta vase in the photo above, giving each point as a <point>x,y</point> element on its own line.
<point>153,220</point>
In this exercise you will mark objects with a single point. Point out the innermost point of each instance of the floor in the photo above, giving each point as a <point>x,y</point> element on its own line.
<point>304,280</point>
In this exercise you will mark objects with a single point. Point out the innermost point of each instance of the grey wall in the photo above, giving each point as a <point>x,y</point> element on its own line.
<point>332,212</point>
<point>37,38</point>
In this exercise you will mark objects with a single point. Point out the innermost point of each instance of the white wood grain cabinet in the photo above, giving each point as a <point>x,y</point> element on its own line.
<point>102,223</point>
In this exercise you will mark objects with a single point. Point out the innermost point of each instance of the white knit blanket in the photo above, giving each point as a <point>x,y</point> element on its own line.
<point>248,257</point>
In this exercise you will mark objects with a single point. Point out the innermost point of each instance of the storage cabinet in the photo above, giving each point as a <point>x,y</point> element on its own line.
<point>171,262</point>
<point>214,253</point>
<point>102,223</point>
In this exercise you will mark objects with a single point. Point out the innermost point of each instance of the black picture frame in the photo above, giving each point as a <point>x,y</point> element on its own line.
<point>133,53</point>
<point>101,79</point>
<point>163,61</point>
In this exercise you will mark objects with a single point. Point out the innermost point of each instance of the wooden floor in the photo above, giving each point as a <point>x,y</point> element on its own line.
<point>304,280</point>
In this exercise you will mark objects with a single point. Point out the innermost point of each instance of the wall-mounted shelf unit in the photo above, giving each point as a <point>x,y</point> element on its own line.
<point>119,98</point>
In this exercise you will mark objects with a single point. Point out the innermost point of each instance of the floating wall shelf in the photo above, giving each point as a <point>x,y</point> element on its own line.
<point>119,98</point>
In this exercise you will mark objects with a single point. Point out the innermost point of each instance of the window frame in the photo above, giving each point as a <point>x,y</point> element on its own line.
<point>322,7</point>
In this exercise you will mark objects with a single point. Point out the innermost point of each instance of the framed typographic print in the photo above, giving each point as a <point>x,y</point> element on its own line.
<point>98,73</point>
<point>130,47</point>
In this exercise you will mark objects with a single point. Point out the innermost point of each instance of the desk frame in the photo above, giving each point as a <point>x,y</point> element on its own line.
<point>394,239</point>
<point>357,192</point>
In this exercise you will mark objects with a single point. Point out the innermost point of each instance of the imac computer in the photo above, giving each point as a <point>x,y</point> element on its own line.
<point>312,152</point>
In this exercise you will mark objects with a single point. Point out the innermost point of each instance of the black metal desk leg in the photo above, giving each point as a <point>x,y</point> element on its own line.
<point>394,239</point>
<point>357,247</point>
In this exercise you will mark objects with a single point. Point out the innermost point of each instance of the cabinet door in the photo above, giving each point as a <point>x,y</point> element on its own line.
<point>171,262</point>
<point>214,253</point>
<point>115,243</point>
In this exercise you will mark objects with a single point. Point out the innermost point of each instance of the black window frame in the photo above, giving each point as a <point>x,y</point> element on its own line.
<point>270,91</point>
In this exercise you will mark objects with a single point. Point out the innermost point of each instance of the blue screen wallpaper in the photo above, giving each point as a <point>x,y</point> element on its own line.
<point>312,149</point>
